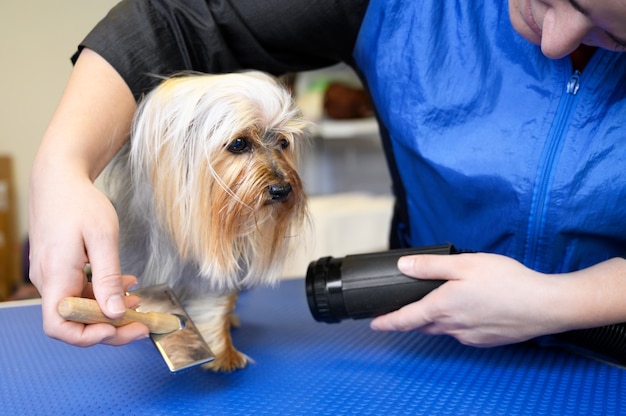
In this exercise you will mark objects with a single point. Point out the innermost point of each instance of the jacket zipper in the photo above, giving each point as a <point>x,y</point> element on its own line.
<point>541,197</point>
<point>573,85</point>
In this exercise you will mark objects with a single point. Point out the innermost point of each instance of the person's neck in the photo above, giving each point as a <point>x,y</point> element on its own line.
<point>581,56</point>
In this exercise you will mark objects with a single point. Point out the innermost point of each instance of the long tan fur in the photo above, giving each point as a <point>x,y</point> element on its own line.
<point>208,194</point>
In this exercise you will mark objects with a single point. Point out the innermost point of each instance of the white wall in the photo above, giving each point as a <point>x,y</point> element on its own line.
<point>37,38</point>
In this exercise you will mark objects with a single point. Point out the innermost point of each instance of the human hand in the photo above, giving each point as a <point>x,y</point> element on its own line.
<point>71,224</point>
<point>488,300</point>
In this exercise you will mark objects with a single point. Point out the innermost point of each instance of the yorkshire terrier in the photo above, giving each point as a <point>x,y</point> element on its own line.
<point>208,196</point>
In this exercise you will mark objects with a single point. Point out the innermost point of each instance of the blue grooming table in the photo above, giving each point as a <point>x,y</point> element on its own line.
<point>301,368</point>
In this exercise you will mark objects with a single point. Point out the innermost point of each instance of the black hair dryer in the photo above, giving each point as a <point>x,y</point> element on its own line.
<point>368,285</point>
<point>365,285</point>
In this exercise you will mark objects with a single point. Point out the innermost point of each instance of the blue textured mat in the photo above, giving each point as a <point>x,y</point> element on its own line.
<point>302,368</point>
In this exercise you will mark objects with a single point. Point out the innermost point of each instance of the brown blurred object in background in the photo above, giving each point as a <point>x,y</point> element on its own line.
<point>9,247</point>
<point>344,102</point>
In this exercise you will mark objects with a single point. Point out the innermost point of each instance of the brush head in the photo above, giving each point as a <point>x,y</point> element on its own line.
<point>183,348</point>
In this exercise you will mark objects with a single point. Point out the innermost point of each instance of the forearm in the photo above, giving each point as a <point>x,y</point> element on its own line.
<point>71,223</point>
<point>592,297</point>
<point>91,122</point>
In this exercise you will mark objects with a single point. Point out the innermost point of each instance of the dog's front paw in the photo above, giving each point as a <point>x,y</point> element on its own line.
<point>227,361</point>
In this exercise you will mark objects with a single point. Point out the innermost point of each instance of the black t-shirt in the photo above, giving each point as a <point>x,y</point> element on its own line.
<point>142,38</point>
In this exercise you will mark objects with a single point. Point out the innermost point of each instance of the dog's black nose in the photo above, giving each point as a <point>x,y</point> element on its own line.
<point>279,191</point>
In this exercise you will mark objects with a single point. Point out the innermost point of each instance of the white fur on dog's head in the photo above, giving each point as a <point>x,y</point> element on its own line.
<point>204,150</point>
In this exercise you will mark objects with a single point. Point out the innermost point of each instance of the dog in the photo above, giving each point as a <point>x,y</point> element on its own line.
<point>208,194</point>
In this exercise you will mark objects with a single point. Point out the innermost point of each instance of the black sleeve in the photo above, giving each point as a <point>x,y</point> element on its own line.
<point>144,38</point>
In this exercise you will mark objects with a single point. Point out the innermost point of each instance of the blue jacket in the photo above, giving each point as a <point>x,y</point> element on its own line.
<point>496,147</point>
<point>491,145</point>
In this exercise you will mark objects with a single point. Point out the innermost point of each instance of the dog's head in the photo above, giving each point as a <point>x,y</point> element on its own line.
<point>220,152</point>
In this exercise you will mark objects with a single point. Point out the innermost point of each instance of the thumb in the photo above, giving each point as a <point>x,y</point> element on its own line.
<point>107,282</point>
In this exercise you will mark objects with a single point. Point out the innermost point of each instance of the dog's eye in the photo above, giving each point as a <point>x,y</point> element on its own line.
<point>239,145</point>
<point>284,143</point>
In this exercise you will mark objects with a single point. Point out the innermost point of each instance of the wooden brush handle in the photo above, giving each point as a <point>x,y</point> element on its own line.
<point>87,311</point>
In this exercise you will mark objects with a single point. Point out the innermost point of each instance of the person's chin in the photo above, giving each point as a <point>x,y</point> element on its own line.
<point>521,26</point>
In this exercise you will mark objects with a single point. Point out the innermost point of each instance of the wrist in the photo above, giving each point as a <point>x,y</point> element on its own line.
<point>588,298</point>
